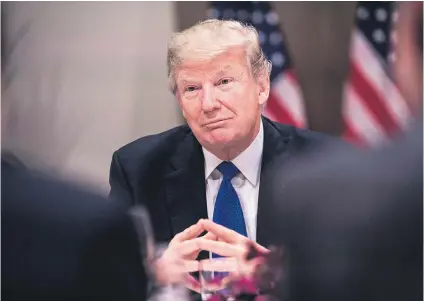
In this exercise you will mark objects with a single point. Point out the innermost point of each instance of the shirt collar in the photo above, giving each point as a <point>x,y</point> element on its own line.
<point>248,162</point>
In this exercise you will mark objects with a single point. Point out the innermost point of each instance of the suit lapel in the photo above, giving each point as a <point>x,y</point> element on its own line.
<point>185,185</point>
<point>276,143</point>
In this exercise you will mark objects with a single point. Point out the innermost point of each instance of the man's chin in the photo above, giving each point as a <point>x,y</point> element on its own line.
<point>222,136</point>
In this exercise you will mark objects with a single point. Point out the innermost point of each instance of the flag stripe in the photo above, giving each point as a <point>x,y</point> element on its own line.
<point>376,106</point>
<point>371,67</point>
<point>359,117</point>
<point>281,114</point>
<point>289,95</point>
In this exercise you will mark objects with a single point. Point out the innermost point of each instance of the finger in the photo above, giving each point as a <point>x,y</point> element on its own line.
<point>169,271</point>
<point>227,235</point>
<point>187,247</point>
<point>193,284</point>
<point>193,231</point>
<point>195,245</point>
<point>194,254</point>
<point>191,266</point>
<point>221,248</point>
<point>222,232</point>
<point>229,264</point>
<point>189,233</point>
<point>260,248</point>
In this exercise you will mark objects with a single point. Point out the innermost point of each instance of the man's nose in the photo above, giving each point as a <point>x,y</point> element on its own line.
<point>209,101</point>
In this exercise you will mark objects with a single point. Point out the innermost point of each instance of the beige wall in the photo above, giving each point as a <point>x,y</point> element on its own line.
<point>82,79</point>
<point>318,36</point>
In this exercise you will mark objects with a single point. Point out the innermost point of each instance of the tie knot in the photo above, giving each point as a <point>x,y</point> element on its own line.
<point>228,169</point>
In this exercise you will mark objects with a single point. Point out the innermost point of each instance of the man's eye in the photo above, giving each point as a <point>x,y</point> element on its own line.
<point>191,89</point>
<point>225,81</point>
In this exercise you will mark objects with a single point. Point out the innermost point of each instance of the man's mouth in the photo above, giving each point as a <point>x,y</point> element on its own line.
<point>215,122</point>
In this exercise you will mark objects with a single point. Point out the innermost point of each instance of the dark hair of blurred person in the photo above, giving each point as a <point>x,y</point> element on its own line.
<point>353,225</point>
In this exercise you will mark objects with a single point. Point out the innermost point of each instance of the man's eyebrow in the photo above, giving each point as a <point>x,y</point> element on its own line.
<point>186,79</point>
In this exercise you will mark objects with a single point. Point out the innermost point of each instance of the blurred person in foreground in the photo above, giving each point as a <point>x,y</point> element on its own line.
<point>351,222</point>
<point>61,243</point>
<point>212,167</point>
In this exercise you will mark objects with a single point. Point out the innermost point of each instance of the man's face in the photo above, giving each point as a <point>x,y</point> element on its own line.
<point>220,98</point>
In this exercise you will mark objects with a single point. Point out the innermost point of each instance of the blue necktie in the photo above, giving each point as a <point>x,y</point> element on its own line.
<point>228,212</point>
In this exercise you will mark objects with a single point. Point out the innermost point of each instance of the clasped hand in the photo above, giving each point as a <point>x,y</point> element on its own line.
<point>179,259</point>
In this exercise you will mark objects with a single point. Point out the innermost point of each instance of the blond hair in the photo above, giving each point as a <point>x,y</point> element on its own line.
<point>209,38</point>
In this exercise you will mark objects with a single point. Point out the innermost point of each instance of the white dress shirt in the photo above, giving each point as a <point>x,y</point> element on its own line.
<point>245,183</point>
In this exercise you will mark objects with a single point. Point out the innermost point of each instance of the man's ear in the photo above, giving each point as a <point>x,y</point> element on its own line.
<point>263,88</point>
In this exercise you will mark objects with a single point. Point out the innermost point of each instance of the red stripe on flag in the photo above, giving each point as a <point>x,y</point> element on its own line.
<point>372,100</point>
<point>290,73</point>
<point>279,111</point>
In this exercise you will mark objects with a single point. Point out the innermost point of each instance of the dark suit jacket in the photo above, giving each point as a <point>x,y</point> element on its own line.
<point>351,223</point>
<point>61,243</point>
<point>165,172</point>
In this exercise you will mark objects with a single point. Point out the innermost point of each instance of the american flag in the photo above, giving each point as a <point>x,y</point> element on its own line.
<point>373,109</point>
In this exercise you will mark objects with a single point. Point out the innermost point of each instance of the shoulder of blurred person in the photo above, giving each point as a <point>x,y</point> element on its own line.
<point>60,242</point>
<point>351,221</point>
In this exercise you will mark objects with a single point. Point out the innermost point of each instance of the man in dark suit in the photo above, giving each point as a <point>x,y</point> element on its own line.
<point>352,224</point>
<point>62,243</point>
<point>220,76</point>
